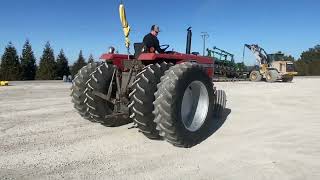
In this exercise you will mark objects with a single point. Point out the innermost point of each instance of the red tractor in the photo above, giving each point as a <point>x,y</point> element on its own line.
<point>169,96</point>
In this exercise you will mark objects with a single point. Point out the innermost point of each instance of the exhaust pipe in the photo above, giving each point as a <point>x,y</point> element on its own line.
<point>189,36</point>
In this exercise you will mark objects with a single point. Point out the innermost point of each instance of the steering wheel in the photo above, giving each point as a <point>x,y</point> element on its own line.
<point>166,46</point>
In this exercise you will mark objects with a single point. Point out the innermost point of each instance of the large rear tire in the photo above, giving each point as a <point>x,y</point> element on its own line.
<point>255,76</point>
<point>184,104</point>
<point>97,88</point>
<point>78,87</point>
<point>142,98</point>
<point>271,76</point>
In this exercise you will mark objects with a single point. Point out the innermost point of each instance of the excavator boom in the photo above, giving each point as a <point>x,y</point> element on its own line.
<point>260,54</point>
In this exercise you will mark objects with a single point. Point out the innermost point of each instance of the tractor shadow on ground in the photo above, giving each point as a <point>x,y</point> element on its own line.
<point>119,121</point>
<point>216,124</point>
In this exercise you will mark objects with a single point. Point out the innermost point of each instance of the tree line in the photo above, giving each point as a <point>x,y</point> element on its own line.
<point>24,67</point>
<point>309,62</point>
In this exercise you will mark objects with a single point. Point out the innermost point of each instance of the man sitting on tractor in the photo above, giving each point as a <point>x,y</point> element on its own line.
<point>151,41</point>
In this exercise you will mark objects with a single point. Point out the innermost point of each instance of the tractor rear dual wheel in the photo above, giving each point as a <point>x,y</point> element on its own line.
<point>78,88</point>
<point>96,92</point>
<point>142,98</point>
<point>219,103</point>
<point>184,105</point>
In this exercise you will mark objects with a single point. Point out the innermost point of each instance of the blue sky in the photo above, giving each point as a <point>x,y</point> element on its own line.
<point>290,26</point>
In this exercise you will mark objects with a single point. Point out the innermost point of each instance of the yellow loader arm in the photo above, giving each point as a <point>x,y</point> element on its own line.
<point>125,25</point>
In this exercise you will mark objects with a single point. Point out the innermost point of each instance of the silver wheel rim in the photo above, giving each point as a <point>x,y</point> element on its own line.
<point>195,106</point>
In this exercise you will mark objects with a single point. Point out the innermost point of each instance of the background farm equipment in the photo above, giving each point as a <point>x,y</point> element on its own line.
<point>271,67</point>
<point>225,66</point>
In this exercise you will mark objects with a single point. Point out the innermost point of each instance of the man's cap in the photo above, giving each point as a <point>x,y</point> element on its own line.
<point>155,28</point>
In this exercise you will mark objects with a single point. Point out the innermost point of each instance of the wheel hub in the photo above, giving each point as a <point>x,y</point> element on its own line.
<point>268,76</point>
<point>254,76</point>
<point>195,106</point>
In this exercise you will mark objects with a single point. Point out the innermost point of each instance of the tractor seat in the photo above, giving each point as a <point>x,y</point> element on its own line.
<point>137,49</point>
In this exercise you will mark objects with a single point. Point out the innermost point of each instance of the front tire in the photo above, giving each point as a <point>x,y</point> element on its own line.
<point>184,104</point>
<point>287,79</point>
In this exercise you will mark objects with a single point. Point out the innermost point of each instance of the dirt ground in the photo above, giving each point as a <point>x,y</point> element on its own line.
<point>272,131</point>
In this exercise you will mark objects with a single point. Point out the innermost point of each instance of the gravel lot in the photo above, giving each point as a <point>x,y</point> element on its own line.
<point>271,131</point>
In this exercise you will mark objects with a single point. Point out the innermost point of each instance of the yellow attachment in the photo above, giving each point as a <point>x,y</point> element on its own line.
<point>4,83</point>
<point>292,73</point>
<point>263,68</point>
<point>127,42</point>
<point>126,31</point>
<point>125,25</point>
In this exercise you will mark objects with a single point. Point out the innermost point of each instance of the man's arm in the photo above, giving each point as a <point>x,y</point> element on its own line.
<point>157,46</point>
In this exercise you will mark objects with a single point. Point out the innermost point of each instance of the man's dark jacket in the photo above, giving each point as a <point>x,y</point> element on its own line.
<point>152,41</point>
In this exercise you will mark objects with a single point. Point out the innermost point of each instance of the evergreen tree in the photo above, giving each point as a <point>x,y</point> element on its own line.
<point>288,58</point>
<point>62,65</point>
<point>313,54</point>
<point>10,68</point>
<point>28,62</point>
<point>78,64</point>
<point>309,63</point>
<point>90,59</point>
<point>47,65</point>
